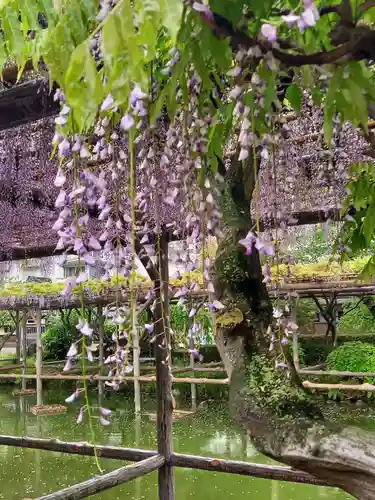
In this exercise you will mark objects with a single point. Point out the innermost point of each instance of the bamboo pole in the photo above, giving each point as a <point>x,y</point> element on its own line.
<point>164,405</point>
<point>101,352</point>
<point>195,369</point>
<point>295,336</point>
<point>193,387</point>
<point>344,387</point>
<point>24,347</point>
<point>92,378</point>
<point>136,366</point>
<point>18,337</point>
<point>282,473</point>
<point>312,367</point>
<point>101,483</point>
<point>39,357</point>
<point>277,472</point>
<point>11,367</point>
<point>333,373</point>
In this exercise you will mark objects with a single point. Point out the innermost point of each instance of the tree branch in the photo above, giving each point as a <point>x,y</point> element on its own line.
<point>367,5</point>
<point>355,307</point>
<point>357,47</point>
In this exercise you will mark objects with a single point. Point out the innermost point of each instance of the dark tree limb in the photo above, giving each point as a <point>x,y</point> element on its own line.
<point>359,42</point>
<point>367,5</point>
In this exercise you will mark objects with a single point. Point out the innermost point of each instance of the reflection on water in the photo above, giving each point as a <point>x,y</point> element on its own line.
<point>32,473</point>
<point>229,444</point>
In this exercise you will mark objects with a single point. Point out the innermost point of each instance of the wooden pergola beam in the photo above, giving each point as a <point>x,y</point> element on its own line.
<point>302,218</point>
<point>27,102</point>
<point>297,219</point>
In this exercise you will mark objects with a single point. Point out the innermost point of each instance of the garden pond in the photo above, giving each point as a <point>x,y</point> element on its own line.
<point>27,473</point>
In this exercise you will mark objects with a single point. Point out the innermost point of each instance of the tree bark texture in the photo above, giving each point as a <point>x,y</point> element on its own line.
<point>277,412</point>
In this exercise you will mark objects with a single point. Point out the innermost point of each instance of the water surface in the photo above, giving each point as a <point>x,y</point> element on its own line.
<point>28,473</point>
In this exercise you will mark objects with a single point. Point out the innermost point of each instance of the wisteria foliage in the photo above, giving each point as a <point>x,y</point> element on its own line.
<point>154,94</point>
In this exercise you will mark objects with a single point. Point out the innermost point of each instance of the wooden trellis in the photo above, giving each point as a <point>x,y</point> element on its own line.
<point>330,291</point>
<point>164,460</point>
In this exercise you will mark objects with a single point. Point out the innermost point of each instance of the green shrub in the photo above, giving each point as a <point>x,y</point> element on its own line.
<point>352,357</point>
<point>306,314</point>
<point>6,321</point>
<point>204,391</point>
<point>60,333</point>
<point>358,320</point>
<point>315,350</point>
<point>179,316</point>
<point>301,354</point>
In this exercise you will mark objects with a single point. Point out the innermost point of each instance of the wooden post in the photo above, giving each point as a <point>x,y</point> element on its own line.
<point>18,337</point>
<point>164,404</point>
<point>24,346</point>
<point>101,353</point>
<point>39,357</point>
<point>293,315</point>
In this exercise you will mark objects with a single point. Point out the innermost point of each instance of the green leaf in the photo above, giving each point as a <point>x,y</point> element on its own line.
<point>359,104</point>
<point>330,105</point>
<point>124,58</point>
<point>13,35</point>
<point>169,90</point>
<point>369,224</point>
<point>368,271</point>
<point>294,96</point>
<point>317,96</point>
<point>172,16</point>
<point>201,65</point>
<point>57,50</point>
<point>3,56</point>
<point>83,87</point>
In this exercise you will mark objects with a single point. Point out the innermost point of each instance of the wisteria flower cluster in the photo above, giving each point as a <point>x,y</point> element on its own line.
<point>306,19</point>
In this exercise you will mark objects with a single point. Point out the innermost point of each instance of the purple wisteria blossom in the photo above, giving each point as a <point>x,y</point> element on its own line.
<point>269,31</point>
<point>248,242</point>
<point>308,17</point>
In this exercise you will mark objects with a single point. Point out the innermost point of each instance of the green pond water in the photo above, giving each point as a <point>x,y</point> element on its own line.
<point>28,473</point>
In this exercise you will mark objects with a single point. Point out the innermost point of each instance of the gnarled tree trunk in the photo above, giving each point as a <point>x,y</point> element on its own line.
<point>278,414</point>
